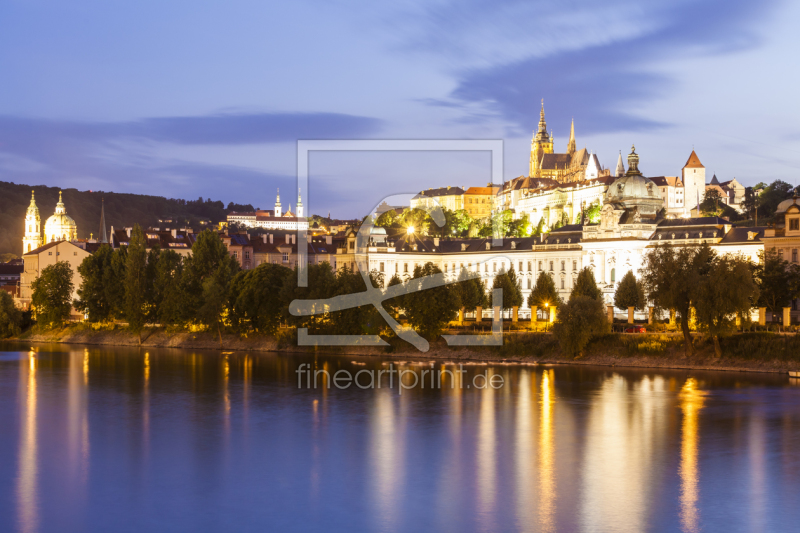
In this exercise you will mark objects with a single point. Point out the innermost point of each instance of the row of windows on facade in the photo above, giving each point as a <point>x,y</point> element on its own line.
<point>486,267</point>
<point>794,251</point>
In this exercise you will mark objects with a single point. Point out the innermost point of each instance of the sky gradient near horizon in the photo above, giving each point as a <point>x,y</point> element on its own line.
<point>187,99</point>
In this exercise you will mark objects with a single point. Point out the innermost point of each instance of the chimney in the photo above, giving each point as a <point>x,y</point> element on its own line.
<point>270,238</point>
<point>264,238</point>
<point>128,230</point>
<point>329,239</point>
<point>111,242</point>
<point>294,238</point>
<point>436,241</point>
<point>287,239</point>
<point>174,233</point>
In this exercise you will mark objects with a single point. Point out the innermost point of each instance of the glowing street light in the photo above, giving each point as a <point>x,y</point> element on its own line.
<point>410,230</point>
<point>547,317</point>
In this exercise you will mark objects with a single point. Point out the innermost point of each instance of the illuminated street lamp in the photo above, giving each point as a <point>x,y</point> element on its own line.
<point>547,317</point>
<point>410,230</point>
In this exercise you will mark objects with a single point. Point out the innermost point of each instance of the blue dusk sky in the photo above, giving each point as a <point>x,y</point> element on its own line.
<point>207,98</point>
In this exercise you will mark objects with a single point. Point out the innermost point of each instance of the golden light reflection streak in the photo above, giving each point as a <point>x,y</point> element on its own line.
<point>547,485</point>
<point>487,461</point>
<point>526,503</point>
<point>86,366</point>
<point>27,490</point>
<point>146,402</point>
<point>691,401</point>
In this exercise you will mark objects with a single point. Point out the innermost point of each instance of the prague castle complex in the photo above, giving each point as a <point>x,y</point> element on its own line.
<point>632,213</point>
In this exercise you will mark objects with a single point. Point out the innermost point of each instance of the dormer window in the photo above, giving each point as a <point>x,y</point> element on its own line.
<point>794,224</point>
<point>488,246</point>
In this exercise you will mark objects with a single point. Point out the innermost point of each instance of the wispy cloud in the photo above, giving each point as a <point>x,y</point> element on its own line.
<point>603,63</point>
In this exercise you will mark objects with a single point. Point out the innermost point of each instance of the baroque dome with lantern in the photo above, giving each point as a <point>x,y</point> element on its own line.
<point>60,226</point>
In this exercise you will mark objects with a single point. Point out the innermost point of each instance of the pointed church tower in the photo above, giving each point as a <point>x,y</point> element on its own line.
<point>33,231</point>
<point>571,144</point>
<point>299,213</point>
<point>620,170</point>
<point>278,204</point>
<point>541,144</point>
<point>103,235</point>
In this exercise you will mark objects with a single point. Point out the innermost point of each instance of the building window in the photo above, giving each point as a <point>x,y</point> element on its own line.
<point>236,255</point>
<point>445,268</point>
<point>285,257</point>
<point>540,265</point>
<point>520,266</point>
<point>405,267</point>
<point>49,253</point>
<point>562,284</point>
<point>794,224</point>
<point>247,255</point>
<point>75,253</point>
<point>574,266</point>
<point>563,266</point>
<point>381,266</point>
<point>529,283</point>
<point>613,275</point>
<point>494,267</point>
<point>486,267</point>
<point>551,266</point>
<point>529,266</point>
<point>794,255</point>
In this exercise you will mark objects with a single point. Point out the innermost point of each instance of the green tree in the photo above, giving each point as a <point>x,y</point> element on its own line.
<point>471,291</point>
<point>728,289</point>
<point>544,293</point>
<point>10,316</point>
<point>520,227</point>
<point>771,196</point>
<point>591,214</point>
<point>672,277</point>
<point>512,288</point>
<point>710,206</point>
<point>630,293</point>
<point>321,286</point>
<point>364,319</point>
<point>52,294</point>
<point>778,281</point>
<point>429,310</point>
<point>585,285</point>
<point>256,299</point>
<point>114,282</point>
<point>167,296</point>
<point>579,320</point>
<point>417,219</point>
<point>93,294</point>
<point>388,219</point>
<point>394,305</point>
<point>206,279</point>
<point>136,289</point>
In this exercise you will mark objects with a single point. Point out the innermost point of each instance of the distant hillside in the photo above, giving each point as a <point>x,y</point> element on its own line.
<point>84,206</point>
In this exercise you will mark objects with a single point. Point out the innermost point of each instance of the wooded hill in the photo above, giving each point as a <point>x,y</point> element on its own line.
<point>121,209</point>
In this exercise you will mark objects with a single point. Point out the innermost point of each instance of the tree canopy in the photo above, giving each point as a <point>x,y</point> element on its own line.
<point>52,294</point>
<point>630,293</point>
<point>585,285</point>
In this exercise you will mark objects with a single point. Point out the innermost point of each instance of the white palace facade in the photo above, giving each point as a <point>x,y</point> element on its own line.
<point>616,245</point>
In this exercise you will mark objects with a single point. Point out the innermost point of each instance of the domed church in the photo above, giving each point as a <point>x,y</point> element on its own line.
<point>59,227</point>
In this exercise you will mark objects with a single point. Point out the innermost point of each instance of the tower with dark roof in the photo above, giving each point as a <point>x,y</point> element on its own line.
<point>694,182</point>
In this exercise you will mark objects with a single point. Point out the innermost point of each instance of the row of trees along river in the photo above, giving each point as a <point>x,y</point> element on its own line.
<point>208,290</point>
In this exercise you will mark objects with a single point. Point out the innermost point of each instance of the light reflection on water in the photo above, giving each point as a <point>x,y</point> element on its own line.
<point>123,440</point>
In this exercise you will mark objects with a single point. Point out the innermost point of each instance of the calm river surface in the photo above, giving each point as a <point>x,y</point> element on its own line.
<point>118,440</point>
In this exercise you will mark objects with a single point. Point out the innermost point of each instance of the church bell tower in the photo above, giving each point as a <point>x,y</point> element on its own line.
<point>33,231</point>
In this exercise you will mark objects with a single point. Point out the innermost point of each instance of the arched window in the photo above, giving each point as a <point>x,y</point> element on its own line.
<point>29,247</point>
<point>613,275</point>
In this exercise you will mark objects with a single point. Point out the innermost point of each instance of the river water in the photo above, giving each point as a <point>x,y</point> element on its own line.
<point>118,440</point>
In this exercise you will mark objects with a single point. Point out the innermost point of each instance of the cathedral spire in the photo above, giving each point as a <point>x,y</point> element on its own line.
<point>60,209</point>
<point>278,204</point>
<point>542,123</point>
<point>103,236</point>
<point>299,205</point>
<point>620,170</point>
<point>571,145</point>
